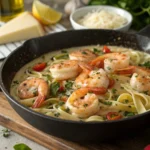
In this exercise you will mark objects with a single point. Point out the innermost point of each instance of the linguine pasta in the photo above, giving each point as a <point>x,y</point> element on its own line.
<point>78,93</point>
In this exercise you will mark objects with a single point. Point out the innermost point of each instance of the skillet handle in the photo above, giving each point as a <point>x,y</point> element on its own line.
<point>145,31</point>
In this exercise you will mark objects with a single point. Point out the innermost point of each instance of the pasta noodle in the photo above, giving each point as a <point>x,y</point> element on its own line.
<point>109,85</point>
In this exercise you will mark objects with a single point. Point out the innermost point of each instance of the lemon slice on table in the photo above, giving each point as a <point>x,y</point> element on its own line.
<point>44,13</point>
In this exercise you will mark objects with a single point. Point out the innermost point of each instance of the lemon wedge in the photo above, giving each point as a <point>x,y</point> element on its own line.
<point>45,14</point>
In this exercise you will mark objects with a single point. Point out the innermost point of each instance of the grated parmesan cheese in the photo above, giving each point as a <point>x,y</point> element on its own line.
<point>102,19</point>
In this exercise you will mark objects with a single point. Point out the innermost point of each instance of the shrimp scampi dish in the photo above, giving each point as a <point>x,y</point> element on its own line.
<point>90,83</point>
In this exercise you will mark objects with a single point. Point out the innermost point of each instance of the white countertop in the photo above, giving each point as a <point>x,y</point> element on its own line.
<point>7,143</point>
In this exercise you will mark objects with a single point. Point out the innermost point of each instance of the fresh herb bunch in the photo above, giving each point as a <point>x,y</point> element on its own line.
<point>140,9</point>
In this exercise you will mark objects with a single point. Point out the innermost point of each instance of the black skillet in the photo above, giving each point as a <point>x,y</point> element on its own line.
<point>71,130</point>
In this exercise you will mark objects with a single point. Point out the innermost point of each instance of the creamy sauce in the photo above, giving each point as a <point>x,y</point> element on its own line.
<point>105,103</point>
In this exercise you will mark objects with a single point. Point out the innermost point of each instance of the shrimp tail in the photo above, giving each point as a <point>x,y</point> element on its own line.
<point>39,101</point>
<point>98,90</point>
<point>111,83</point>
<point>85,67</point>
<point>97,63</point>
<point>129,70</point>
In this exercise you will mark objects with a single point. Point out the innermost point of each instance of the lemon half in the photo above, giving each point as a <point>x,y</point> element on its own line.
<point>45,14</point>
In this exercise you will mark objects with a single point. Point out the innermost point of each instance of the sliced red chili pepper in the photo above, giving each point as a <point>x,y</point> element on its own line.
<point>39,67</point>
<point>147,147</point>
<point>98,90</point>
<point>61,88</point>
<point>106,49</point>
<point>113,116</point>
<point>111,83</point>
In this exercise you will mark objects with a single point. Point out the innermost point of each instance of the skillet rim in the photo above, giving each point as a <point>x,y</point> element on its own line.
<point>10,98</point>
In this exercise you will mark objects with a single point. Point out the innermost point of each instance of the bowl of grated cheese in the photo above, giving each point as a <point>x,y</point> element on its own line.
<point>101,17</point>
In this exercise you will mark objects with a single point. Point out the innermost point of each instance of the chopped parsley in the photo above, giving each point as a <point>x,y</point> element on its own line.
<point>61,103</point>
<point>145,92</point>
<point>61,56</point>
<point>108,68</point>
<point>68,85</point>
<point>47,76</point>
<point>126,101</point>
<point>67,110</point>
<point>6,133</point>
<point>54,88</point>
<point>115,97</point>
<point>85,105</point>
<point>57,114</point>
<point>146,64</point>
<point>84,53</point>
<point>16,82</point>
<point>114,91</point>
<point>107,103</point>
<point>128,114</point>
<point>35,92</point>
<point>97,51</point>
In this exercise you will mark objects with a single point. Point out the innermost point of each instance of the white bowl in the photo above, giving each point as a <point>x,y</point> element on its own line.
<point>79,13</point>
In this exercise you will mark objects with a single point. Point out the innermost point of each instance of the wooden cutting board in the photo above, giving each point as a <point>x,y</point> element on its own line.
<point>10,119</point>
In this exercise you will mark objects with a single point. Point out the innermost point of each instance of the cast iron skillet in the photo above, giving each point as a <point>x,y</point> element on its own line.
<point>71,130</point>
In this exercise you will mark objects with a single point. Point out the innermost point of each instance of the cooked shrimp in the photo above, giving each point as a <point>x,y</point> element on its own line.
<point>83,104</point>
<point>65,70</point>
<point>34,87</point>
<point>93,79</point>
<point>84,55</point>
<point>111,61</point>
<point>140,80</point>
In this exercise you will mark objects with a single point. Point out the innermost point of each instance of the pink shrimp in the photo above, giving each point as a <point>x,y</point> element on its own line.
<point>34,87</point>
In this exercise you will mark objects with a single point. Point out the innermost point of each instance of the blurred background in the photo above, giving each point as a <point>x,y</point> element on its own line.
<point>140,9</point>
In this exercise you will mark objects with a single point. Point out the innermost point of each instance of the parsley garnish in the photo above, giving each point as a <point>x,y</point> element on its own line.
<point>21,146</point>
<point>61,56</point>
<point>6,132</point>
<point>85,105</point>
<point>47,76</point>
<point>107,103</point>
<point>145,92</point>
<point>96,50</point>
<point>67,110</point>
<point>68,85</point>
<point>126,101</point>
<point>84,53</point>
<point>61,103</point>
<point>54,88</point>
<point>128,114</point>
<point>16,82</point>
<point>108,68</point>
<point>114,91</point>
<point>35,92</point>
<point>57,114</point>
<point>146,64</point>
